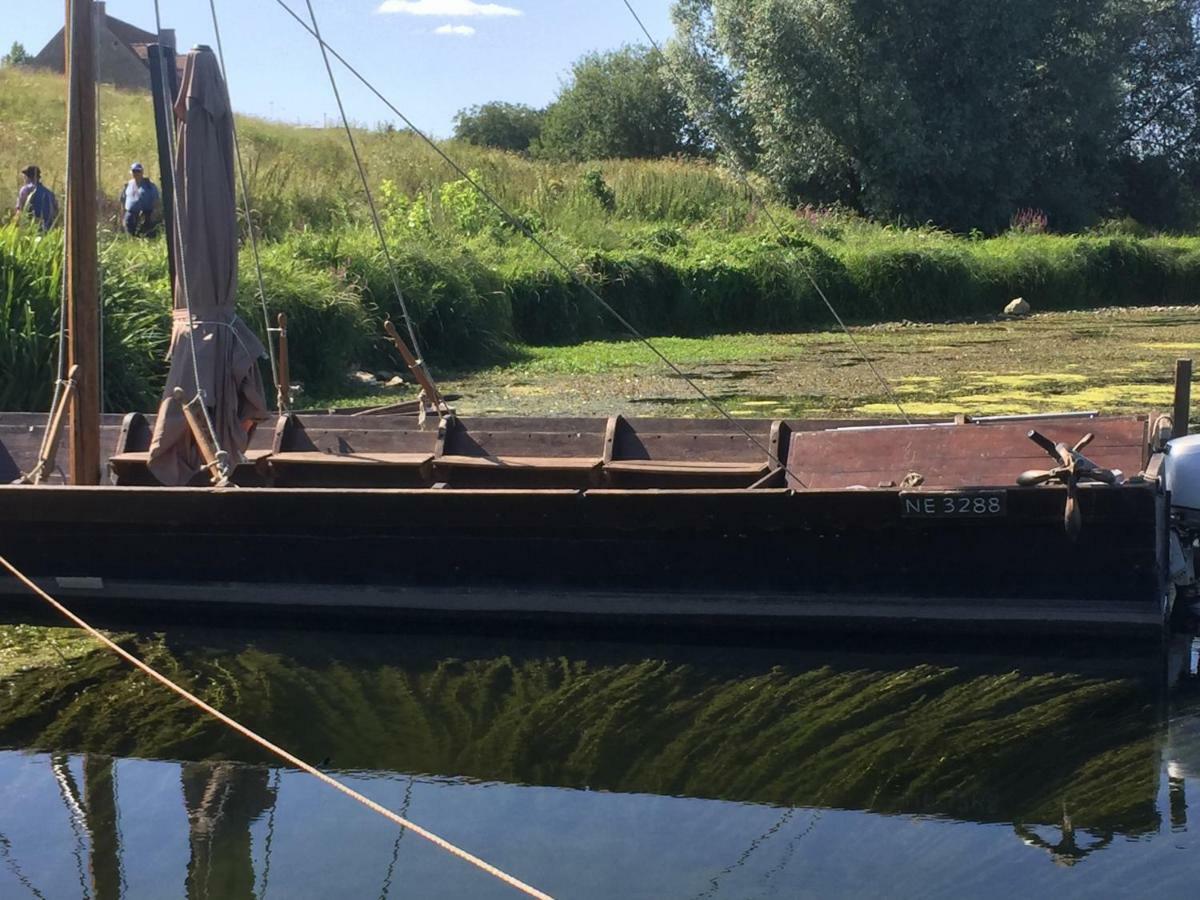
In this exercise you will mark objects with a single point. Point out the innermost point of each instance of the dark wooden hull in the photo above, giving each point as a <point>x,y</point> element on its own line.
<point>844,557</point>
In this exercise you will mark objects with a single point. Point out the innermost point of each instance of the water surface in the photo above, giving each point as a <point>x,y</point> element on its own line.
<point>594,770</point>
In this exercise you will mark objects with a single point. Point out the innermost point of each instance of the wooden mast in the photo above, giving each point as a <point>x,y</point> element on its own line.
<point>83,306</point>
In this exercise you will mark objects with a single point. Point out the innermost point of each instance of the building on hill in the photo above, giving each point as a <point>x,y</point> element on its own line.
<point>121,53</point>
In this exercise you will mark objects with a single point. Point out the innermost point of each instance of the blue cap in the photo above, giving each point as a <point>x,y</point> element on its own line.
<point>136,167</point>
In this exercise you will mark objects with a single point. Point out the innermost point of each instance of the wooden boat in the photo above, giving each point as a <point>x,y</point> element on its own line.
<point>624,519</point>
<point>996,523</point>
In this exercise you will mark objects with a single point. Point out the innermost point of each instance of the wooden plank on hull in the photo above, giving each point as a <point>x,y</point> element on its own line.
<point>1021,616</point>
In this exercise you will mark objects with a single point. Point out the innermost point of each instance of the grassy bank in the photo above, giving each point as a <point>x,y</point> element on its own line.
<point>674,246</point>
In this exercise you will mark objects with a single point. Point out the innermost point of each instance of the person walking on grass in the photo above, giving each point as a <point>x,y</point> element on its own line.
<point>36,200</point>
<point>139,199</point>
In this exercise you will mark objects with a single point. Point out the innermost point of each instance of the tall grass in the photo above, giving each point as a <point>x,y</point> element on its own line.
<point>30,272</point>
<point>136,318</point>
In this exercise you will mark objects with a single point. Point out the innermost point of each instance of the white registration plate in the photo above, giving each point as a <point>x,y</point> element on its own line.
<point>956,505</point>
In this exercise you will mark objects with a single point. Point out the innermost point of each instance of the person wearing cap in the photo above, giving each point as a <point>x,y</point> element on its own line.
<point>139,199</point>
<point>36,200</point>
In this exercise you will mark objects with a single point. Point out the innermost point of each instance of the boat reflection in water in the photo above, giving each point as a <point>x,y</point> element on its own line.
<point>596,770</point>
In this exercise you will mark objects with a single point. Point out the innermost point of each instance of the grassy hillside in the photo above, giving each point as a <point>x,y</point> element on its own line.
<point>675,246</point>
<point>302,177</point>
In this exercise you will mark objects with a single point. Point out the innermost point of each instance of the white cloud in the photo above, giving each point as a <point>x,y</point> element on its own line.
<point>446,8</point>
<point>456,30</point>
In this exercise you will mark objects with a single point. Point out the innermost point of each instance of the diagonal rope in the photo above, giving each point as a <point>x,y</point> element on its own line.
<point>362,174</point>
<point>524,229</point>
<point>262,742</point>
<point>711,126</point>
<point>237,153</point>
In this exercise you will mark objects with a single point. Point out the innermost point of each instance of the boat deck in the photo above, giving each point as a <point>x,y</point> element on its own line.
<point>327,450</point>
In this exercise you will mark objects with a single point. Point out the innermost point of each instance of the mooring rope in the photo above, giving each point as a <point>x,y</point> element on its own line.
<point>717,132</point>
<point>267,745</point>
<point>525,230</point>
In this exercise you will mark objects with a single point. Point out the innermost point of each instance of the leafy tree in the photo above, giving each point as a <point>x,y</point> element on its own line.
<point>617,104</point>
<point>16,56</point>
<point>710,84</point>
<point>1158,165</point>
<point>506,126</point>
<point>927,110</point>
<point>1162,102</point>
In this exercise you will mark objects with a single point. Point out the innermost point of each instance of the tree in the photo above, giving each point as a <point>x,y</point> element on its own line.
<point>927,110</point>
<point>16,56</point>
<point>710,85</point>
<point>506,126</point>
<point>1162,102</point>
<point>617,104</point>
<point>1158,164</point>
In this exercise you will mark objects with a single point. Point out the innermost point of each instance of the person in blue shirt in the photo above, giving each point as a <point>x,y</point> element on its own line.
<point>139,200</point>
<point>36,200</point>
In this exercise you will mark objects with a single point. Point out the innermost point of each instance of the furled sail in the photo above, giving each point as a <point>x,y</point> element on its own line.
<point>221,351</point>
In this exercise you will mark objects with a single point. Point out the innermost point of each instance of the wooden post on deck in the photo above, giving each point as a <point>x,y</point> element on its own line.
<point>283,390</point>
<point>83,303</point>
<point>416,366</point>
<point>1183,398</point>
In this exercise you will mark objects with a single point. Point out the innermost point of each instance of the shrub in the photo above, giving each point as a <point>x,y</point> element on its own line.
<point>597,188</point>
<point>505,126</point>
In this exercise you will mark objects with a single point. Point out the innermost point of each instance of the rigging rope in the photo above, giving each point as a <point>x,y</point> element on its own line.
<point>267,745</point>
<point>524,229</point>
<point>237,153</point>
<point>712,126</point>
<point>362,174</point>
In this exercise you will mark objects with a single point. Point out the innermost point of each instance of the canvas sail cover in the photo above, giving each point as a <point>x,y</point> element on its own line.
<point>206,253</point>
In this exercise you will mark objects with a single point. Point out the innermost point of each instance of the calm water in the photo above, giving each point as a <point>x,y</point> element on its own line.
<point>597,770</point>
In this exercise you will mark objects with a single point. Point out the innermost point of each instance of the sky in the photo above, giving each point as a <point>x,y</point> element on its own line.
<point>431,58</point>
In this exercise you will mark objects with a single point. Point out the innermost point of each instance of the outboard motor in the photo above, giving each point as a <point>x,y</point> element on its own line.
<point>1181,478</point>
<point>1181,472</point>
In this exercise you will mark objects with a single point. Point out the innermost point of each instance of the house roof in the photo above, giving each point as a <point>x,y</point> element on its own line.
<point>130,35</point>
